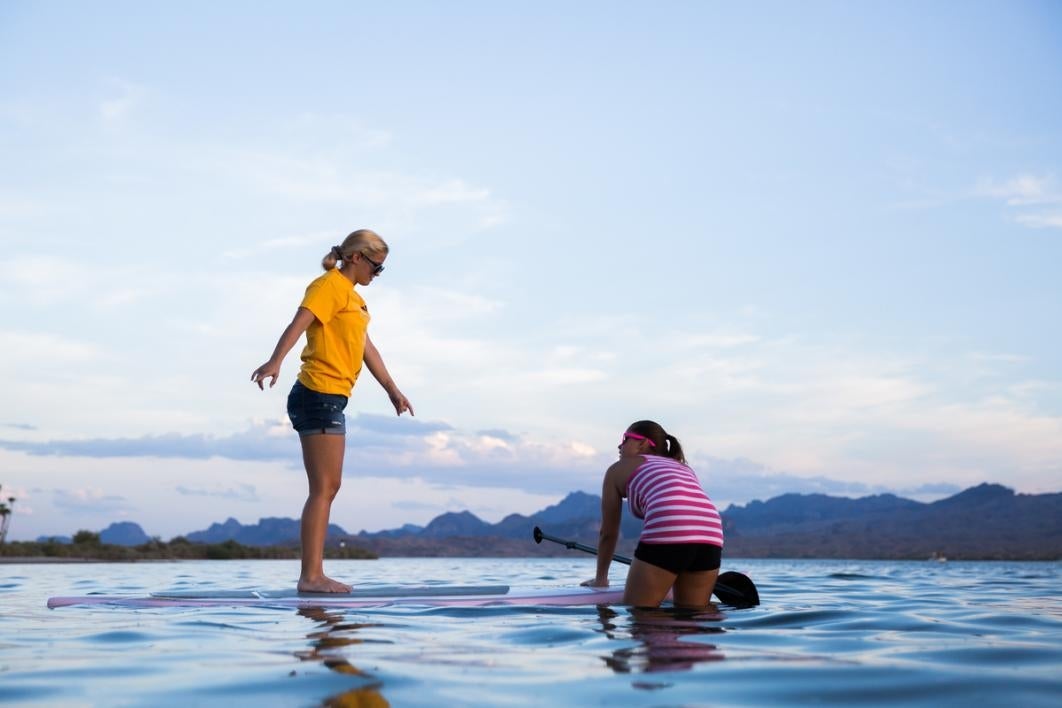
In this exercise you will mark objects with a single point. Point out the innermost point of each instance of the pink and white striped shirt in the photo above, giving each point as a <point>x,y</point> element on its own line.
<point>668,495</point>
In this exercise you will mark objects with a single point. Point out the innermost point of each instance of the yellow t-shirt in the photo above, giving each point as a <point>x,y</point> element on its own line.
<point>335,340</point>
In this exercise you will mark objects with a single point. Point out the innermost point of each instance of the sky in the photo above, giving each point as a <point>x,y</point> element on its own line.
<point>820,243</point>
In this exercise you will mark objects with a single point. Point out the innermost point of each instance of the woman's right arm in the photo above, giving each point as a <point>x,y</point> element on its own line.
<point>271,369</point>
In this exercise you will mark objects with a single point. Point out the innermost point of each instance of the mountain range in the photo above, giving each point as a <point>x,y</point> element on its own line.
<point>989,521</point>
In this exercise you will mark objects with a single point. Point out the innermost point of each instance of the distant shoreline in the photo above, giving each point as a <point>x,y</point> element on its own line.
<point>46,560</point>
<point>87,548</point>
<point>50,560</point>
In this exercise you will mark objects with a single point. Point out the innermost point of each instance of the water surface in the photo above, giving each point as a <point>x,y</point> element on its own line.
<point>833,632</point>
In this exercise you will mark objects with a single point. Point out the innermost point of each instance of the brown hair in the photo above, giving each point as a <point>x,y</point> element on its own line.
<point>365,241</point>
<point>663,444</point>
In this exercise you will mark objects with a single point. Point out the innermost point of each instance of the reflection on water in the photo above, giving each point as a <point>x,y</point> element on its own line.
<point>664,640</point>
<point>663,635</point>
<point>326,643</point>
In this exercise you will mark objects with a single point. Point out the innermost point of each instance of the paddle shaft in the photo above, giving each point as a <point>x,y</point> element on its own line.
<point>577,546</point>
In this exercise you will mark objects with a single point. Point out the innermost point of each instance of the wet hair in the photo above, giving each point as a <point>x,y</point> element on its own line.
<point>365,241</point>
<point>663,444</point>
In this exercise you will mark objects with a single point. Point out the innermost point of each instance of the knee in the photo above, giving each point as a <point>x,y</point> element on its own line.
<point>325,490</point>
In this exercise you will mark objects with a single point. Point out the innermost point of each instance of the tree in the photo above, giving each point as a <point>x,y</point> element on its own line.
<point>86,538</point>
<point>5,516</point>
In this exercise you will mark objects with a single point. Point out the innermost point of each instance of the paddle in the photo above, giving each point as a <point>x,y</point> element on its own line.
<point>732,588</point>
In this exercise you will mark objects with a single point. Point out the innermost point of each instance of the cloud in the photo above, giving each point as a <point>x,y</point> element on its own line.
<point>1023,190</point>
<point>30,279</point>
<point>452,191</point>
<point>257,444</point>
<point>20,494</point>
<point>340,132</point>
<point>447,458</point>
<point>446,305</point>
<point>415,505</point>
<point>17,206</point>
<point>398,448</point>
<point>315,239</point>
<point>88,500</point>
<point>125,96</point>
<point>334,161</point>
<point>929,491</point>
<point>241,492</point>
<point>1046,220</point>
<point>809,407</point>
<point>20,426</point>
<point>721,340</point>
<point>562,376</point>
<point>498,434</point>
<point>1036,198</point>
<point>739,481</point>
<point>329,177</point>
<point>396,425</point>
<point>806,407</point>
<point>32,350</point>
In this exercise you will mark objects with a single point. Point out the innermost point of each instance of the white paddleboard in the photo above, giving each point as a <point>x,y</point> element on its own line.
<point>360,597</point>
<point>359,591</point>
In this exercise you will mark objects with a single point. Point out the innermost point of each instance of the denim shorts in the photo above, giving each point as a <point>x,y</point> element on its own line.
<point>680,557</point>
<point>314,413</point>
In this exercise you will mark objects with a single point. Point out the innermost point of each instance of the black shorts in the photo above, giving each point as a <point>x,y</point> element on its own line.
<point>680,557</point>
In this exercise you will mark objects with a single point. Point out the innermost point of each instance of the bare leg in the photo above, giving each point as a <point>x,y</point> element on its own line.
<point>695,589</point>
<point>647,585</point>
<point>323,457</point>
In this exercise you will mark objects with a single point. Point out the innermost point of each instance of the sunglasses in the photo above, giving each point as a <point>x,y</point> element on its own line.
<point>635,436</point>
<point>377,268</point>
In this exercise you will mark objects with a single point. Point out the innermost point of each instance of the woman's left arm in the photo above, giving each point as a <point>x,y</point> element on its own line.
<point>611,514</point>
<point>374,361</point>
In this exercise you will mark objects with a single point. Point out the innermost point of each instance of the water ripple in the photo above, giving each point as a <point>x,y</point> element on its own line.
<point>830,632</point>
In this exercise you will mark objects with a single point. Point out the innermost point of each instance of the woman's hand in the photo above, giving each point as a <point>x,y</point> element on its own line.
<point>268,370</point>
<point>375,362</point>
<point>400,402</point>
<point>271,369</point>
<point>595,583</point>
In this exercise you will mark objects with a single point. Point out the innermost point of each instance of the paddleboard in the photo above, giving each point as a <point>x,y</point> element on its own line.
<point>359,591</point>
<point>360,597</point>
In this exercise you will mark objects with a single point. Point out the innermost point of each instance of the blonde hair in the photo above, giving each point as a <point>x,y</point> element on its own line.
<point>365,241</point>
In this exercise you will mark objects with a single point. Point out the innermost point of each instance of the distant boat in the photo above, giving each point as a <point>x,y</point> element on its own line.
<point>940,558</point>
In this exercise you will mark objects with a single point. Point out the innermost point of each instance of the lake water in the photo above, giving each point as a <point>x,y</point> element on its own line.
<point>833,632</point>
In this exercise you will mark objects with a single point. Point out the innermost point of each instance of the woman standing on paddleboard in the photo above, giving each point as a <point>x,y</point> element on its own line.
<point>335,319</point>
<point>681,544</point>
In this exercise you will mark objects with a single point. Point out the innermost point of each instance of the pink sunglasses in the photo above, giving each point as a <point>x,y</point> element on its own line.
<point>635,436</point>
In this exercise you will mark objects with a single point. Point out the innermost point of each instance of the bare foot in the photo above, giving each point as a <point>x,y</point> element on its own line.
<point>322,584</point>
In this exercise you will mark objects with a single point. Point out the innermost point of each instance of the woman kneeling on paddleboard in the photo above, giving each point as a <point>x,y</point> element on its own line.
<point>336,320</point>
<point>681,544</point>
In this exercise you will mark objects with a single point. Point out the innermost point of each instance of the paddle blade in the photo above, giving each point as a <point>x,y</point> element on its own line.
<point>538,535</point>
<point>736,589</point>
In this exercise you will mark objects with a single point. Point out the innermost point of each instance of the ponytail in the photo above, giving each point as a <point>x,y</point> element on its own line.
<point>360,241</point>
<point>331,258</point>
<point>674,449</point>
